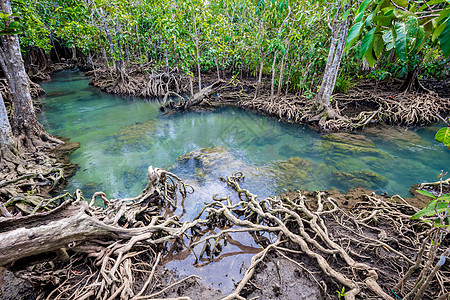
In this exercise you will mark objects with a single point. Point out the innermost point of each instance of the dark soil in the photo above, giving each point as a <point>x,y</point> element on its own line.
<point>280,278</point>
<point>13,288</point>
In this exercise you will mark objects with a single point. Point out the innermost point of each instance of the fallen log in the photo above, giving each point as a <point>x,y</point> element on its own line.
<point>194,100</point>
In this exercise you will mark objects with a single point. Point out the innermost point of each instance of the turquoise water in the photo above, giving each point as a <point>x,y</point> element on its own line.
<point>120,137</point>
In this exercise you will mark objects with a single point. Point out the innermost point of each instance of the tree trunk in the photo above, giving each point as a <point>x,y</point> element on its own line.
<point>261,66</point>
<point>119,59</point>
<point>272,87</point>
<point>108,35</point>
<point>280,79</point>
<point>337,47</point>
<point>29,133</point>
<point>412,83</point>
<point>197,47</point>
<point>6,136</point>
<point>74,53</point>
<point>217,68</point>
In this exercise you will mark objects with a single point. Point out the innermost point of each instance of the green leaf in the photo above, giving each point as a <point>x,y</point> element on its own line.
<point>426,193</point>
<point>402,3</point>
<point>438,31</point>
<point>370,58</point>
<point>420,39</point>
<point>353,34</point>
<point>429,3</point>
<point>361,10</point>
<point>13,25</point>
<point>400,41</point>
<point>378,45</point>
<point>346,14</point>
<point>443,136</point>
<point>430,210</point>
<point>444,40</point>
<point>367,41</point>
<point>388,39</point>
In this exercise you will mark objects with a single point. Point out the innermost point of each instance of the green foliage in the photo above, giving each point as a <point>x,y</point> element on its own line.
<point>343,83</point>
<point>443,136</point>
<point>9,24</point>
<point>238,35</point>
<point>401,25</point>
<point>341,293</point>
<point>439,205</point>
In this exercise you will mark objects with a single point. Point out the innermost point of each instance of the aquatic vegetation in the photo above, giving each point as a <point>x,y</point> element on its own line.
<point>133,136</point>
<point>401,137</point>
<point>338,144</point>
<point>210,162</point>
<point>364,179</point>
<point>349,139</point>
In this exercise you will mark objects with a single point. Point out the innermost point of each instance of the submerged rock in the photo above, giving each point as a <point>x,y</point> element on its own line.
<point>364,179</point>
<point>400,136</point>
<point>298,173</point>
<point>349,139</point>
<point>339,145</point>
<point>213,162</point>
<point>132,136</point>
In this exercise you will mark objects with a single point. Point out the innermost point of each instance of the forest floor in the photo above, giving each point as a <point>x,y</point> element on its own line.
<point>289,274</point>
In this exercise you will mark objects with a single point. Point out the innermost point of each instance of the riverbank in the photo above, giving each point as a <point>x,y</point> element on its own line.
<point>366,103</point>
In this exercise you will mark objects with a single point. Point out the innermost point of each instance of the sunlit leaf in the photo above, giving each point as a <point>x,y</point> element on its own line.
<point>353,34</point>
<point>444,40</point>
<point>367,41</point>
<point>426,193</point>
<point>400,40</point>
<point>443,136</point>
<point>430,210</point>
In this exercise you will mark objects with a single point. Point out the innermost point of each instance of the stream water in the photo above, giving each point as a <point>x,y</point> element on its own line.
<point>120,137</point>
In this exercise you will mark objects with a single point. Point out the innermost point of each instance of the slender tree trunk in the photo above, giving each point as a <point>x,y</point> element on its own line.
<point>108,36</point>
<point>29,133</point>
<point>119,51</point>
<point>166,55</point>
<point>74,53</point>
<point>333,63</point>
<point>280,79</point>
<point>105,58</point>
<point>217,67</point>
<point>273,74</point>
<point>261,66</point>
<point>197,47</point>
<point>54,48</point>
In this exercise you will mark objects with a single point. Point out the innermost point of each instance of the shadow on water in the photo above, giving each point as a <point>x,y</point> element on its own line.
<point>120,137</point>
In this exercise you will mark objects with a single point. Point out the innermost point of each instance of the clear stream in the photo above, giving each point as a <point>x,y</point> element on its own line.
<point>120,137</point>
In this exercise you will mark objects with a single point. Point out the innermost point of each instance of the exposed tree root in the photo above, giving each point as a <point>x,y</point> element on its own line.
<point>120,242</point>
<point>346,112</point>
<point>35,174</point>
<point>139,82</point>
<point>35,90</point>
<point>113,251</point>
<point>364,250</point>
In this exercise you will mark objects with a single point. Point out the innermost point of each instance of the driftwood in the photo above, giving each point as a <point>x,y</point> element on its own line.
<point>194,100</point>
